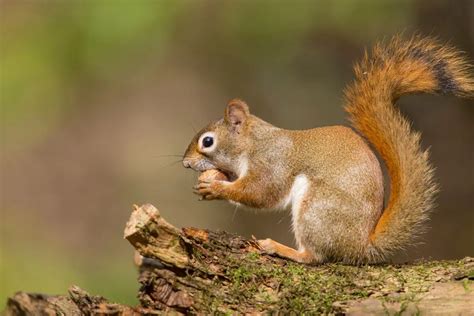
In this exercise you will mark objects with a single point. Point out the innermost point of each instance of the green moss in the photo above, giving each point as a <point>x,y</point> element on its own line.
<point>251,282</point>
<point>300,288</point>
<point>253,256</point>
<point>240,275</point>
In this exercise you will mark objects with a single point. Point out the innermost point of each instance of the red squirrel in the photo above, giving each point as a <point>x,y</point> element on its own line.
<point>329,176</point>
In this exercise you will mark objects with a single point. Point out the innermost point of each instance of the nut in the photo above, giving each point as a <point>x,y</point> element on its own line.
<point>212,174</point>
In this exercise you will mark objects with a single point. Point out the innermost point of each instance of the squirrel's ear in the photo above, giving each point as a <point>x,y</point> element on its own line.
<point>236,113</point>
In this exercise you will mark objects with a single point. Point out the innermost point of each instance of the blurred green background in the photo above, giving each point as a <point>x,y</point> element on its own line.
<point>94,94</point>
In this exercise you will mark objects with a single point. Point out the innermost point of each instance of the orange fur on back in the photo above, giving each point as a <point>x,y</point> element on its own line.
<point>419,65</point>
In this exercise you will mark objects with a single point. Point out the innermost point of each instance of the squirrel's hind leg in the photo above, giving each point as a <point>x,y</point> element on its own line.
<point>272,247</point>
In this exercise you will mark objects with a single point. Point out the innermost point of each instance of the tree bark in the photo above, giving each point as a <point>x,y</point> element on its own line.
<point>199,271</point>
<point>78,302</point>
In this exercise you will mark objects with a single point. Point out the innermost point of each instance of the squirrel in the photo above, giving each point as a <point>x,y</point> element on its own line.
<point>329,176</point>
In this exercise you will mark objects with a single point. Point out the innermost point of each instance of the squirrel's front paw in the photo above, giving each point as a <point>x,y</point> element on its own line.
<point>267,245</point>
<point>208,190</point>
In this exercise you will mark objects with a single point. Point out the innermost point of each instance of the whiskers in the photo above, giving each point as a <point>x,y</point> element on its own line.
<point>171,163</point>
<point>160,156</point>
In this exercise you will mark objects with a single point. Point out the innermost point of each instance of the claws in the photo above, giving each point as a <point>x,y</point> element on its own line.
<point>202,186</point>
<point>267,246</point>
<point>206,190</point>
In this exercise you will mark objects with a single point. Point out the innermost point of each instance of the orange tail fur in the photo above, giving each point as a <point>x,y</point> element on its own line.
<point>419,65</point>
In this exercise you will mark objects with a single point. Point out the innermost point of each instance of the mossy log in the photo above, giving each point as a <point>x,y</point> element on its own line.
<point>199,271</point>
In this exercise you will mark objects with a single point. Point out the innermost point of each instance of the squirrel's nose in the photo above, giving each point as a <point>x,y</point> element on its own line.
<point>186,163</point>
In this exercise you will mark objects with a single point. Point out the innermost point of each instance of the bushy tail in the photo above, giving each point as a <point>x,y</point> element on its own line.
<point>390,71</point>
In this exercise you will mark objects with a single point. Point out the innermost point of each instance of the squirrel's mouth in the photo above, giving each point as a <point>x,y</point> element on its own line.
<point>204,165</point>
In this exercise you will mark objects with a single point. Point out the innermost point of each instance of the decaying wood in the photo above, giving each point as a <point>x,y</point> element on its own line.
<point>78,302</point>
<point>154,237</point>
<point>199,271</point>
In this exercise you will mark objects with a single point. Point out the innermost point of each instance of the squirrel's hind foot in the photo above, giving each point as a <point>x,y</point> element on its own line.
<point>271,247</point>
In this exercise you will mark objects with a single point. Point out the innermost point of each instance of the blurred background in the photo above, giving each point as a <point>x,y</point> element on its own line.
<point>97,97</point>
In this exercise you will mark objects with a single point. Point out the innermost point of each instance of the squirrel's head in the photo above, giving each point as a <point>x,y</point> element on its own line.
<point>222,144</point>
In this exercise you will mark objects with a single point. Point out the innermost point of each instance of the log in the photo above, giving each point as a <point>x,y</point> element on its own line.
<point>78,302</point>
<point>198,271</point>
<point>203,271</point>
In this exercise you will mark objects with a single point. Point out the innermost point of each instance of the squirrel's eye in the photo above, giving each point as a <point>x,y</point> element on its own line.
<point>207,141</point>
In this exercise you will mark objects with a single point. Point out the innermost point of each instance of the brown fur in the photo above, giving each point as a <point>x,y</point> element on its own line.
<point>329,176</point>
